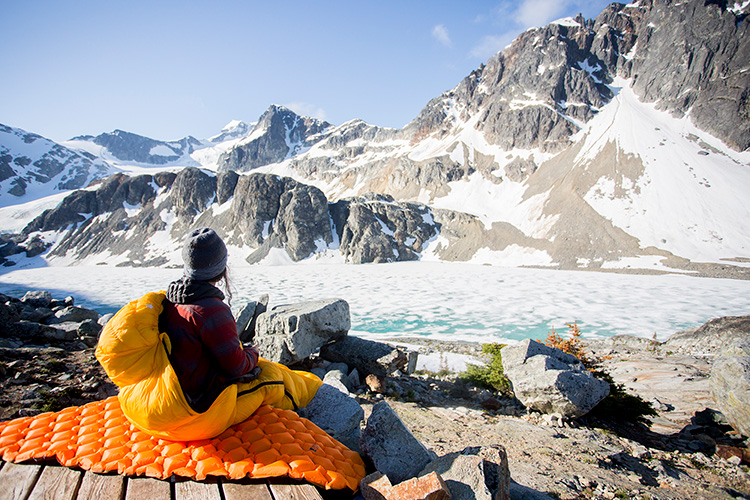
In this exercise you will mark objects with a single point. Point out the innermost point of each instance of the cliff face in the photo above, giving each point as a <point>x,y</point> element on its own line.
<point>692,58</point>
<point>140,220</point>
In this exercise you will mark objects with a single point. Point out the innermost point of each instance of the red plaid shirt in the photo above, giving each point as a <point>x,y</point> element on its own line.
<point>206,352</point>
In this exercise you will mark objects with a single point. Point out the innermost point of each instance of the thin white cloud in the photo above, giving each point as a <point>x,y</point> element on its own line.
<point>306,109</point>
<point>532,13</point>
<point>440,33</point>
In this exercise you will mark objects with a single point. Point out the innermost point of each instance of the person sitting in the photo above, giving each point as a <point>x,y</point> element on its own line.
<point>182,371</point>
<point>206,352</point>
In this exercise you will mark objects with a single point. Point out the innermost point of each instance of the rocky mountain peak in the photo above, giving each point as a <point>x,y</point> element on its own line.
<point>280,133</point>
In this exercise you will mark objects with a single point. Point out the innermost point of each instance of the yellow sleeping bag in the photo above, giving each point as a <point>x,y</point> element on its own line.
<point>134,354</point>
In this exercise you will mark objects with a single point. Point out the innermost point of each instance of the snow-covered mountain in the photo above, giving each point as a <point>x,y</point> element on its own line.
<point>618,142</point>
<point>33,167</point>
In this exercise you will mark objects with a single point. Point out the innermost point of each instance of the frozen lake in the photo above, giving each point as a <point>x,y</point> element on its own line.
<point>440,300</point>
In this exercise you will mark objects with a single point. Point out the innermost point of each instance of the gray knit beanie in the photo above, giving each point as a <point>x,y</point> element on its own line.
<point>204,254</point>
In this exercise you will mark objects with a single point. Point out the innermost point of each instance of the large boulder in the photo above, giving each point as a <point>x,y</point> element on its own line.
<point>367,356</point>
<point>247,317</point>
<point>730,385</point>
<point>479,473</point>
<point>73,314</point>
<point>551,381</point>
<point>290,333</point>
<point>335,411</point>
<point>37,298</point>
<point>391,447</point>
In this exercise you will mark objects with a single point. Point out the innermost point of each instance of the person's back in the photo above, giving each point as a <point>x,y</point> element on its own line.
<point>206,353</point>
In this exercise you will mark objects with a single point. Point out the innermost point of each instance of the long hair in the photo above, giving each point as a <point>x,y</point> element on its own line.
<point>224,278</point>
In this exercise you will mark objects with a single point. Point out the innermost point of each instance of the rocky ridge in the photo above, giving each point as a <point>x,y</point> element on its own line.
<point>258,212</point>
<point>129,147</point>
<point>686,453</point>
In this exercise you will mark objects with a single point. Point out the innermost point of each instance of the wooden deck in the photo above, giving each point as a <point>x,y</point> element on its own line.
<point>50,481</point>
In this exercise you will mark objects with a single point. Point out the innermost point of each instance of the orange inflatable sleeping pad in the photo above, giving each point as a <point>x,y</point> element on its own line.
<point>98,437</point>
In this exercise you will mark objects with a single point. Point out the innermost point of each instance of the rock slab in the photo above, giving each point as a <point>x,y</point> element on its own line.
<point>367,356</point>
<point>290,333</point>
<point>427,487</point>
<point>730,385</point>
<point>376,486</point>
<point>479,473</point>
<point>711,337</point>
<point>391,447</point>
<point>336,412</point>
<point>551,381</point>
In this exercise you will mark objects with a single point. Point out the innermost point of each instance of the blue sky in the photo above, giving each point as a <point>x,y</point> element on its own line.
<point>168,69</point>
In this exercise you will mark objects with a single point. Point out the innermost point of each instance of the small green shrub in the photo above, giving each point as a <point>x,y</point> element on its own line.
<point>490,376</point>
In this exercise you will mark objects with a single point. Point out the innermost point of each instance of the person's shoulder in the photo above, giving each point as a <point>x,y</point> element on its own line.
<point>212,304</point>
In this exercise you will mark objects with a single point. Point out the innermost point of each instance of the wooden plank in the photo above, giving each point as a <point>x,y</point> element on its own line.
<point>141,488</point>
<point>57,483</point>
<point>246,491</point>
<point>300,491</point>
<point>101,487</point>
<point>17,481</point>
<point>193,490</point>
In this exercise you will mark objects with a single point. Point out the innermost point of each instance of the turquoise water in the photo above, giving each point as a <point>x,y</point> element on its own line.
<point>438,300</point>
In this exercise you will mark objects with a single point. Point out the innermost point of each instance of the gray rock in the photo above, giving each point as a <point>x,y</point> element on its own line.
<point>244,316</point>
<point>337,413</point>
<point>352,379</point>
<point>337,379</point>
<point>367,356</point>
<point>551,381</point>
<point>391,447</point>
<point>89,340</point>
<point>37,298</point>
<point>37,314</point>
<point>412,357</point>
<point>74,314</point>
<point>377,229</point>
<point>104,319</point>
<point>709,417</point>
<point>89,328</point>
<point>291,333</point>
<point>342,367</point>
<point>730,385</point>
<point>269,212</point>
<point>28,329</point>
<point>64,331</point>
<point>711,337</point>
<point>247,318</point>
<point>470,476</point>
<point>8,314</point>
